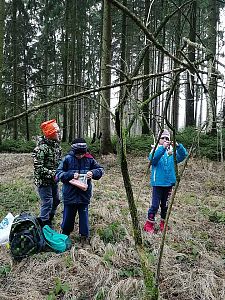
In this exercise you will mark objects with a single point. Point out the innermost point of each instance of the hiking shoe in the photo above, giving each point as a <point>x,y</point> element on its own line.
<point>149,226</point>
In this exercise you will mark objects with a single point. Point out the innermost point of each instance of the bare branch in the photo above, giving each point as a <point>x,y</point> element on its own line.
<point>84,93</point>
<point>148,34</point>
<point>167,18</point>
<point>192,44</point>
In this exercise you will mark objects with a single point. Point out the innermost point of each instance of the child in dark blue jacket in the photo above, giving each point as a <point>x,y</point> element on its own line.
<point>75,163</point>
<point>163,178</point>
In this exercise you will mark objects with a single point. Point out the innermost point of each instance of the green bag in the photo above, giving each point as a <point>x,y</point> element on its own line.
<point>57,241</point>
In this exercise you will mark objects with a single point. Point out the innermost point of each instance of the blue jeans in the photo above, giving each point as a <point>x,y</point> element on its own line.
<point>49,200</point>
<point>69,214</point>
<point>160,196</point>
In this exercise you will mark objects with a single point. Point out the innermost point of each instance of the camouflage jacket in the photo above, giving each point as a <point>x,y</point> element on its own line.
<point>46,156</point>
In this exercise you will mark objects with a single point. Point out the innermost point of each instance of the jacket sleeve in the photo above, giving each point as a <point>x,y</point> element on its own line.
<point>96,170</point>
<point>181,153</point>
<point>39,156</point>
<point>62,173</point>
<point>158,154</point>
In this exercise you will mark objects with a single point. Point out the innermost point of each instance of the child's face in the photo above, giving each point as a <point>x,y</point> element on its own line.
<point>56,136</point>
<point>79,155</point>
<point>163,139</point>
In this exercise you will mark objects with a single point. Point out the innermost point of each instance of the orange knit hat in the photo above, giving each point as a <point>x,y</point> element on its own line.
<point>49,128</point>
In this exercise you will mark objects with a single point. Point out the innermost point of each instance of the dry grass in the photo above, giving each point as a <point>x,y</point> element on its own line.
<point>193,265</point>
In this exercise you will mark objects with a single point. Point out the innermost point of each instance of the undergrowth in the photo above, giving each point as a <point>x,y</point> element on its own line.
<point>206,146</point>
<point>113,233</point>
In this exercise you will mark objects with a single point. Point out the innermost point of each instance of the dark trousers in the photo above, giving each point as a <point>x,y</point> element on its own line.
<point>49,201</point>
<point>69,214</point>
<point>160,196</point>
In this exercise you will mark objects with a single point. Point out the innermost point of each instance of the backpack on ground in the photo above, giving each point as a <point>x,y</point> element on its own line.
<point>26,237</point>
<point>57,241</point>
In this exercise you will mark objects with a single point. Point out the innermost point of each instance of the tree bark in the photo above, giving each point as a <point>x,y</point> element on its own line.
<point>212,81</point>
<point>105,143</point>
<point>146,83</point>
<point>15,87</point>
<point>65,70</point>
<point>190,116</point>
<point>2,20</point>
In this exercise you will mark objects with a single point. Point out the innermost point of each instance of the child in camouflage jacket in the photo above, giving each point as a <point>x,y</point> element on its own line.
<point>46,157</point>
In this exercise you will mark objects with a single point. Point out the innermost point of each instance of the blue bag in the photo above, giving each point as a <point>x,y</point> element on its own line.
<point>57,241</point>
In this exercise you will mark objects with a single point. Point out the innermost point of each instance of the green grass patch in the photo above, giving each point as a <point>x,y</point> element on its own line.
<point>100,295</point>
<point>59,290</point>
<point>190,252</point>
<point>214,216</point>
<point>5,270</point>
<point>108,257</point>
<point>217,216</point>
<point>113,233</point>
<point>16,197</point>
<point>130,272</point>
<point>189,198</point>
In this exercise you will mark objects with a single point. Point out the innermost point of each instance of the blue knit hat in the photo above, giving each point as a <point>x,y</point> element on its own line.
<point>79,146</point>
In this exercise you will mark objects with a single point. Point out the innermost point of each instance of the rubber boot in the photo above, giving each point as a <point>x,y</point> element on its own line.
<point>149,226</point>
<point>162,225</point>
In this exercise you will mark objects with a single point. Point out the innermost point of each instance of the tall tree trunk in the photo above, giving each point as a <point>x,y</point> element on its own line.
<point>2,20</point>
<point>123,49</point>
<point>213,17</point>
<point>160,67</point>
<point>73,51</point>
<point>190,116</point>
<point>46,56</point>
<point>145,118</point>
<point>15,87</point>
<point>175,108</point>
<point>25,94</point>
<point>79,82</point>
<point>65,70</point>
<point>106,144</point>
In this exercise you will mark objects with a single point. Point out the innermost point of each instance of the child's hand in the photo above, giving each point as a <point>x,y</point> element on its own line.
<point>89,175</point>
<point>169,152</point>
<point>172,143</point>
<point>166,144</point>
<point>76,175</point>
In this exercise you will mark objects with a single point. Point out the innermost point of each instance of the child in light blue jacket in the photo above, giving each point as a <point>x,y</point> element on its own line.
<point>163,178</point>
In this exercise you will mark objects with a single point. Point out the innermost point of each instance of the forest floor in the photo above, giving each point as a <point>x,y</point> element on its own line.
<point>193,265</point>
